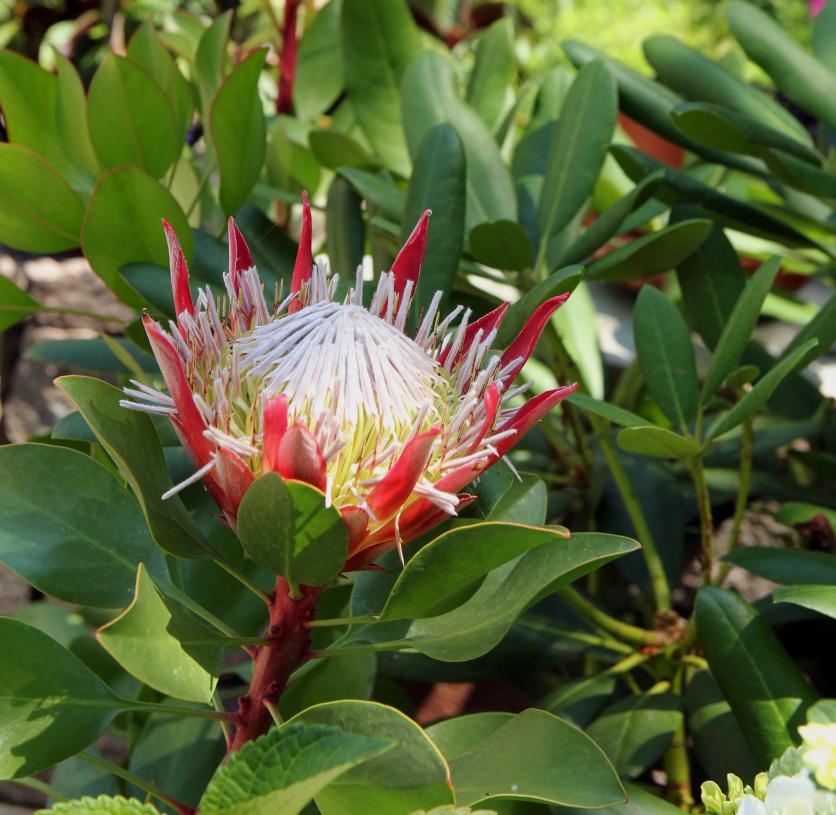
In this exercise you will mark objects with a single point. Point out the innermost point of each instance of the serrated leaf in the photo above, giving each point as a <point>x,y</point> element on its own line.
<point>103,805</point>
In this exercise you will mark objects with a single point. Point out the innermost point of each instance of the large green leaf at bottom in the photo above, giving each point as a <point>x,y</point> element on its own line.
<point>283,770</point>
<point>413,775</point>
<point>69,528</point>
<point>639,802</point>
<point>761,682</point>
<point>51,704</point>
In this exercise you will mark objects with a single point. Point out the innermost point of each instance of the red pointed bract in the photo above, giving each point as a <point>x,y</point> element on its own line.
<point>179,272</point>
<point>275,425</point>
<point>407,265</point>
<point>487,323</point>
<point>491,402</point>
<point>304,256</point>
<point>239,254</point>
<point>234,477</point>
<point>357,522</point>
<point>299,457</point>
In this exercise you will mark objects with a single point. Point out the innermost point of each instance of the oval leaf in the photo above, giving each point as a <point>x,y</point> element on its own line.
<point>658,442</point>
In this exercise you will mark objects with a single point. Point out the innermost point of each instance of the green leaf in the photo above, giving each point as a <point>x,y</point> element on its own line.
<point>587,121</point>
<point>798,74</point>
<point>687,71</point>
<point>534,756</point>
<point>334,149</point>
<point>561,281</point>
<point>211,61</point>
<point>579,700</point>
<point>122,226</point>
<point>478,624</point>
<point>71,119</point>
<point>157,642</point>
<point>523,502</point>
<point>286,527</point>
<point>658,442</point>
<point>711,280</point>
<point>131,119</point>
<point>69,528</point>
<point>666,356</point>
<point>822,328</point>
<point>91,355</point>
<point>817,598</point>
<point>410,776</point>
<point>785,566</point>
<point>39,211</point>
<point>15,304</point>
<point>345,230</point>
<point>239,132</point>
<point>739,327</point>
<point>379,39</point>
<point>438,183</point>
<point>762,683</point>
<point>612,413</point>
<point>610,222</point>
<point>52,705</point>
<point>824,36</point>
<point>103,805</point>
<point>636,731</point>
<point>377,190</point>
<point>640,802</point>
<point>572,321</point>
<point>429,96</point>
<point>319,81</point>
<point>132,442</point>
<point>651,254</point>
<point>794,513</point>
<point>445,568</point>
<point>501,245</point>
<point>282,771</point>
<point>756,398</point>
<point>493,71</point>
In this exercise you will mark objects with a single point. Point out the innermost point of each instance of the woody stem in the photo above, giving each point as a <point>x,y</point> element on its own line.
<point>287,645</point>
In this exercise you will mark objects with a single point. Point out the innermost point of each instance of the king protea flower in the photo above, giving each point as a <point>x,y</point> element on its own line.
<point>390,427</point>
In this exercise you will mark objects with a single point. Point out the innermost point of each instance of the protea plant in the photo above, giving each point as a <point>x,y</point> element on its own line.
<point>390,427</point>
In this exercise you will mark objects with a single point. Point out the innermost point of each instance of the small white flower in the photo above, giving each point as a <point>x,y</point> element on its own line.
<point>749,805</point>
<point>791,795</point>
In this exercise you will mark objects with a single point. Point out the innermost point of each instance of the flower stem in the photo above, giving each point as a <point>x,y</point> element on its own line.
<point>676,762</point>
<point>658,578</point>
<point>706,519</point>
<point>288,641</point>
<point>126,775</point>
<point>625,631</point>
<point>742,500</point>
<point>41,786</point>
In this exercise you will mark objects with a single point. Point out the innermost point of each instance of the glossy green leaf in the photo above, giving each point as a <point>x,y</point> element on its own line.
<point>122,226</point>
<point>430,97</point>
<point>334,149</point>
<point>78,538</point>
<point>572,321</point>
<point>761,682</point>
<point>239,132</point>
<point>15,304</point>
<point>651,254</point>
<point>816,598</point>
<point>282,771</point>
<point>157,642</point>
<point>798,74</point>
<point>39,211</point>
<point>478,624</point>
<point>501,245</point>
<point>131,119</point>
<point>445,568</point>
<point>211,61</point>
<point>132,442</point>
<point>410,776</point>
<point>824,36</point>
<point>523,502</point>
<point>561,281</point>
<point>71,119</point>
<point>286,527</point>
<point>438,183</point>
<point>635,732</point>
<point>587,121</point>
<point>640,802</point>
<point>493,71</point>
<point>739,327</point>
<point>319,81</point>
<point>794,513</point>
<point>756,398</point>
<point>658,442</point>
<point>379,39</point>
<point>90,355</point>
<point>579,700</point>
<point>666,356</point>
<point>52,705</point>
<point>687,71</point>
<point>534,756</point>
<point>822,328</point>
<point>376,190</point>
<point>785,566</point>
<point>103,805</point>
<point>345,230</point>
<point>612,413</point>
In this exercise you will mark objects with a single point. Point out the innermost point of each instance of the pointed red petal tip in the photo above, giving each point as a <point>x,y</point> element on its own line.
<point>179,272</point>
<point>531,413</point>
<point>389,494</point>
<point>234,477</point>
<point>491,402</point>
<point>407,265</point>
<point>487,323</point>
<point>304,256</point>
<point>523,346</point>
<point>239,253</point>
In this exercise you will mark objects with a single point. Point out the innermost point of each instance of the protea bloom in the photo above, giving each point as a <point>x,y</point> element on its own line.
<point>390,427</point>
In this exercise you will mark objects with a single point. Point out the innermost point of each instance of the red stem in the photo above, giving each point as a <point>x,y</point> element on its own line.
<point>287,58</point>
<point>288,642</point>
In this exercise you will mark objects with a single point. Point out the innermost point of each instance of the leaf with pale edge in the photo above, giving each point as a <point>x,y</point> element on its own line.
<point>103,805</point>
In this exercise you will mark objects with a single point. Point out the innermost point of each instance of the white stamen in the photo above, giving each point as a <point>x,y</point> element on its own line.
<point>206,468</point>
